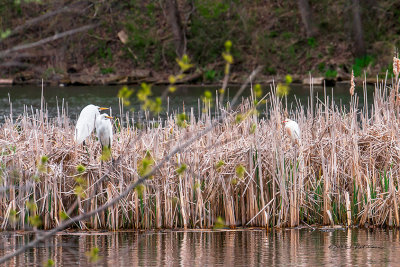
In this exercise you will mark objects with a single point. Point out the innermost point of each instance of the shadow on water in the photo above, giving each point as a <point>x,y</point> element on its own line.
<point>76,97</point>
<point>291,247</point>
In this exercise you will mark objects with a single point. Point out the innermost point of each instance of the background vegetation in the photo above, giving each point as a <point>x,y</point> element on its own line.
<point>133,35</point>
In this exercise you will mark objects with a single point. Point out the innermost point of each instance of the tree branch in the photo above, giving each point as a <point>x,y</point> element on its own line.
<point>46,40</point>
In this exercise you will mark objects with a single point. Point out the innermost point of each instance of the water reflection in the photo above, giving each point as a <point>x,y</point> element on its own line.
<point>213,248</point>
<point>73,99</point>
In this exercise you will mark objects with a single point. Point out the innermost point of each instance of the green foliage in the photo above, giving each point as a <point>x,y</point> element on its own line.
<point>79,189</point>
<point>144,95</point>
<point>107,70</point>
<point>253,128</point>
<point>240,170</point>
<point>219,164</point>
<point>13,216</point>
<point>184,63</point>
<point>35,221</point>
<point>5,34</point>
<point>49,263</point>
<point>312,42</point>
<point>42,166</point>
<point>361,63</point>
<point>181,169</point>
<point>258,90</point>
<point>331,73</point>
<point>145,165</point>
<point>239,118</point>
<point>181,120</point>
<point>31,206</point>
<point>140,190</point>
<point>106,154</point>
<point>219,223</point>
<point>93,255</point>
<point>125,93</point>
<point>80,168</point>
<point>63,215</point>
<point>210,75</point>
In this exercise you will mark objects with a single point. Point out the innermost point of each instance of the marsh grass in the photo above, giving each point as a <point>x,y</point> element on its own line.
<point>245,172</point>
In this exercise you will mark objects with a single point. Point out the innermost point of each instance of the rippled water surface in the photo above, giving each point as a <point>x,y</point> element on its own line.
<point>292,247</point>
<point>74,98</point>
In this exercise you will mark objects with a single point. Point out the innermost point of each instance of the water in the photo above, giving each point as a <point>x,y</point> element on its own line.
<point>75,98</point>
<point>290,247</point>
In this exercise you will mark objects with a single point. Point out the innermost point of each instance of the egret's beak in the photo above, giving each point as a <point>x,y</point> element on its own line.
<point>103,108</point>
<point>109,117</point>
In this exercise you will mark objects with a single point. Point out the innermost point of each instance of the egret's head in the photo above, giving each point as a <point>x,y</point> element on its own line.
<point>105,116</point>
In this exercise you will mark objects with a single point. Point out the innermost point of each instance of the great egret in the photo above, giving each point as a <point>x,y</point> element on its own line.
<point>86,122</point>
<point>104,131</point>
<point>293,130</point>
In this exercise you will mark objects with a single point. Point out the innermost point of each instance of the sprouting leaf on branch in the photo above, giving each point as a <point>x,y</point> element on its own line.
<point>5,34</point>
<point>282,89</point>
<point>125,93</point>
<point>184,63</point>
<point>258,90</point>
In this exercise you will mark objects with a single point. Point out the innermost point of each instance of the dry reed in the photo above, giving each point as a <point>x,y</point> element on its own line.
<point>245,170</point>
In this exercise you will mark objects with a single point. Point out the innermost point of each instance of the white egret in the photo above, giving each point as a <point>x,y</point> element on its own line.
<point>86,122</point>
<point>293,130</point>
<point>104,131</point>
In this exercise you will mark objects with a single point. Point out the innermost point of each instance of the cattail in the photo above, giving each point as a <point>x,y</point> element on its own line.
<point>396,66</point>
<point>352,84</point>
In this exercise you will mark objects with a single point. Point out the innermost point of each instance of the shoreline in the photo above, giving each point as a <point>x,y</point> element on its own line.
<point>195,79</point>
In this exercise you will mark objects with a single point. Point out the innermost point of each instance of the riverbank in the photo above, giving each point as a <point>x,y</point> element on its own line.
<point>245,172</point>
<point>138,76</point>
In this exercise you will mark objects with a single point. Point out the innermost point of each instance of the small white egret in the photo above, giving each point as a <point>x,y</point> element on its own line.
<point>293,130</point>
<point>104,131</point>
<point>86,122</point>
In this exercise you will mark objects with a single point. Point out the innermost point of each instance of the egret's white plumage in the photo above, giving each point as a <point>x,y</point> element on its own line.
<point>104,130</point>
<point>293,130</point>
<point>86,122</point>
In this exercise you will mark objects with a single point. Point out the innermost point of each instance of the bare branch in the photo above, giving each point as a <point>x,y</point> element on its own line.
<point>46,40</point>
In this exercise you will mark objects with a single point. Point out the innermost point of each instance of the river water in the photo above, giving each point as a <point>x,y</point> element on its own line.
<point>252,247</point>
<point>76,97</point>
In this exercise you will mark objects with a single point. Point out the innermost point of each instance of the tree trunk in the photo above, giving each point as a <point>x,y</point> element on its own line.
<point>306,17</point>
<point>174,21</point>
<point>357,29</point>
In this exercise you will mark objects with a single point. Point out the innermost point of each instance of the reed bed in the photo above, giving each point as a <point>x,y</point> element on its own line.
<point>245,172</point>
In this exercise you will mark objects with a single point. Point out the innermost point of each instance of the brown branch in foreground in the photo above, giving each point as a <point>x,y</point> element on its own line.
<point>46,40</point>
<point>141,180</point>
